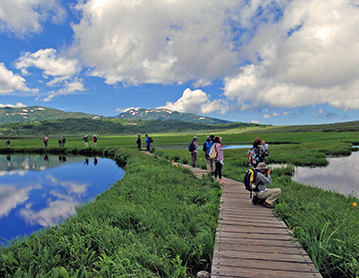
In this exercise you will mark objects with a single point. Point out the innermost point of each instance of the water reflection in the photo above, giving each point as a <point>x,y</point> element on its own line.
<point>39,191</point>
<point>341,175</point>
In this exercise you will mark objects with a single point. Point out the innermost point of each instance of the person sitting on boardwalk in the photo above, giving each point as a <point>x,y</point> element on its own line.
<point>263,194</point>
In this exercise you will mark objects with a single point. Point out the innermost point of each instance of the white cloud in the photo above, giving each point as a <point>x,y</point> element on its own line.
<point>67,89</point>
<point>309,57</point>
<point>50,62</point>
<point>286,113</point>
<point>17,105</point>
<point>23,16</point>
<point>156,41</point>
<point>197,102</point>
<point>10,82</point>
<point>271,115</point>
<point>63,70</point>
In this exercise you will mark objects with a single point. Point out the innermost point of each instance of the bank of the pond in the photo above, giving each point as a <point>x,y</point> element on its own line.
<point>326,223</point>
<point>158,221</point>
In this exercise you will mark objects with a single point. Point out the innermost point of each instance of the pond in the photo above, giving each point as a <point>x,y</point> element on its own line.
<point>341,175</point>
<point>40,191</point>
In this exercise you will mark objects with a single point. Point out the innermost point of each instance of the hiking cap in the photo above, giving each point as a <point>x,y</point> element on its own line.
<point>262,166</point>
<point>194,138</point>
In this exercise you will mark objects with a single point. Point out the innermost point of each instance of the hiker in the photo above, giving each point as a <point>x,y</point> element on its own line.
<point>258,152</point>
<point>148,142</point>
<point>194,151</point>
<point>8,143</point>
<point>94,139</point>
<point>219,159</point>
<point>63,141</point>
<point>263,194</point>
<point>46,141</point>
<point>60,142</point>
<point>138,142</point>
<point>86,138</point>
<point>209,161</point>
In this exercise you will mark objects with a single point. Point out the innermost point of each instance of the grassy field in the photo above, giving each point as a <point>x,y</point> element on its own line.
<point>324,222</point>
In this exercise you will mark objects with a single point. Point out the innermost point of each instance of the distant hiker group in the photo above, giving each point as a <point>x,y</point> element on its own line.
<point>213,150</point>
<point>257,178</point>
<point>148,142</point>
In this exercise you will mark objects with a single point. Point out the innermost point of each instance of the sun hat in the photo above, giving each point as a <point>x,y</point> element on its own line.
<point>208,138</point>
<point>195,138</point>
<point>262,166</point>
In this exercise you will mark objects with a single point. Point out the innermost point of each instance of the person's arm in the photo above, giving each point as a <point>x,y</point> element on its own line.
<point>263,179</point>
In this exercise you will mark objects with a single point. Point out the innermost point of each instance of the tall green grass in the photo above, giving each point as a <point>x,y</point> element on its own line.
<point>324,222</point>
<point>158,221</point>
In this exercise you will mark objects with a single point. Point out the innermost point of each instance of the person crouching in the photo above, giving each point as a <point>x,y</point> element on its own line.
<point>267,195</point>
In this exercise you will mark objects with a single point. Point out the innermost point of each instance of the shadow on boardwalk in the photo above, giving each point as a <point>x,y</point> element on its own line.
<point>252,242</point>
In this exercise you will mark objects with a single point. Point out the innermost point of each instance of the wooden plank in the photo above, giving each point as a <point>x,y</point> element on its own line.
<point>234,272</point>
<point>252,242</point>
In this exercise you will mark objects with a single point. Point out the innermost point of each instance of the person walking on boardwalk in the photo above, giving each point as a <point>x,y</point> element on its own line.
<point>193,149</point>
<point>263,194</point>
<point>94,139</point>
<point>148,142</point>
<point>63,141</point>
<point>8,143</point>
<point>138,142</point>
<point>209,161</point>
<point>60,142</point>
<point>219,159</point>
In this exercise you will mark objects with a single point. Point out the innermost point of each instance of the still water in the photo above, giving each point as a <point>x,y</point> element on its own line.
<point>341,175</point>
<point>39,191</point>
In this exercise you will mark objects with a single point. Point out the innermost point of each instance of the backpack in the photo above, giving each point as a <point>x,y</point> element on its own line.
<point>253,156</point>
<point>213,153</point>
<point>250,180</point>
<point>204,147</point>
<point>150,140</point>
<point>191,146</point>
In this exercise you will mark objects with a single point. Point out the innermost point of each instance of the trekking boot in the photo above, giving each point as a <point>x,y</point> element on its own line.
<point>254,200</point>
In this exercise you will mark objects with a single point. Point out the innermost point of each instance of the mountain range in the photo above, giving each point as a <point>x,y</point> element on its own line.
<point>167,115</point>
<point>38,113</point>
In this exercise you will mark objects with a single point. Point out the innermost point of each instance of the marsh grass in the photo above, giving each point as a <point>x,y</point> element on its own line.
<point>158,221</point>
<point>325,223</point>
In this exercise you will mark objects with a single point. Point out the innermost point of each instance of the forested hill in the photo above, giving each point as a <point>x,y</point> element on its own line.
<point>79,127</point>
<point>37,113</point>
<point>168,115</point>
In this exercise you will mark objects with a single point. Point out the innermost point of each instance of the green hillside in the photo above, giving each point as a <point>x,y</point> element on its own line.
<point>36,113</point>
<point>167,115</point>
<point>106,126</point>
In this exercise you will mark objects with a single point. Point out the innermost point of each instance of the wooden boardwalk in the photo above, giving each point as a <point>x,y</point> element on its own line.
<point>252,242</point>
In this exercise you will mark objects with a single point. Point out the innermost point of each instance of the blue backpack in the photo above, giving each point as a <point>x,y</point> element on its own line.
<point>250,180</point>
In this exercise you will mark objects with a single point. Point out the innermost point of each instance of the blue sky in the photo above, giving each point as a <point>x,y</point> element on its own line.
<point>271,62</point>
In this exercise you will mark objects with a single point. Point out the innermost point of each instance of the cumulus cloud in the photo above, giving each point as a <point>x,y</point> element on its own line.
<point>308,57</point>
<point>50,62</point>
<point>10,82</point>
<point>156,41</point>
<point>63,71</point>
<point>126,109</point>
<point>197,102</point>
<point>26,16</point>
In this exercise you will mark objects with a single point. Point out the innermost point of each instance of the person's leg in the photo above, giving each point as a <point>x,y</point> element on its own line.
<point>208,163</point>
<point>269,196</point>
<point>194,158</point>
